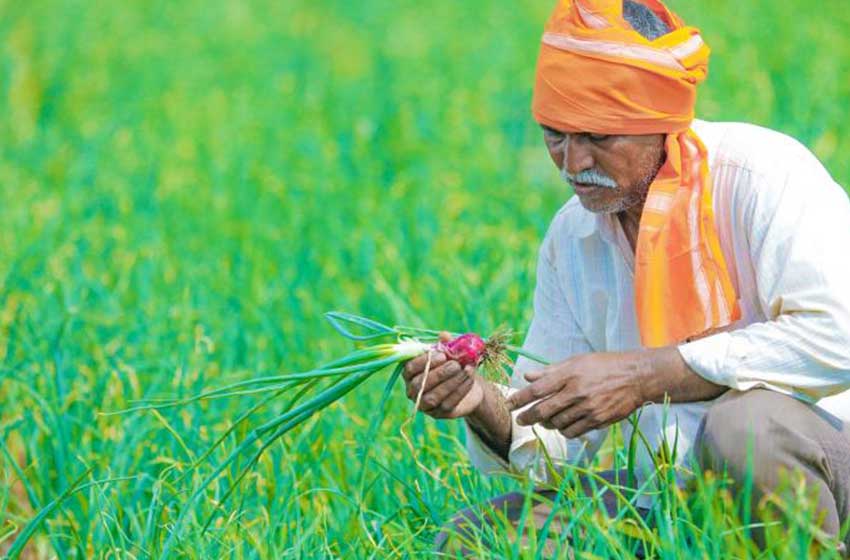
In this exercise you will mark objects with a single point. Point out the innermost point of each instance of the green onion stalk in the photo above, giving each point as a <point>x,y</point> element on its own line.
<point>302,400</point>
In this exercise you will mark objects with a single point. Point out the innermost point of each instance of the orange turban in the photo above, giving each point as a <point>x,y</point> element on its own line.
<point>596,74</point>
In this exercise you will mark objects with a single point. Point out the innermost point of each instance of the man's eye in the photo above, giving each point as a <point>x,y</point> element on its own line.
<point>599,137</point>
<point>552,134</point>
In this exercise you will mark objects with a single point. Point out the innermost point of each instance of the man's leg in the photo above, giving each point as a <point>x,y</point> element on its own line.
<point>459,535</point>
<point>781,435</point>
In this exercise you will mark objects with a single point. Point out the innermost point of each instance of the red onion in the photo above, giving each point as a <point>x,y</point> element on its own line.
<point>467,349</point>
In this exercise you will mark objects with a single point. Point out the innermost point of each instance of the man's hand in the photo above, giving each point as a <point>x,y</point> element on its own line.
<point>451,391</point>
<point>583,393</point>
<point>592,391</point>
<point>454,392</point>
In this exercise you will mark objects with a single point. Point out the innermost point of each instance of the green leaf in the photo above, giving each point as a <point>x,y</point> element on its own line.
<point>29,529</point>
<point>374,329</point>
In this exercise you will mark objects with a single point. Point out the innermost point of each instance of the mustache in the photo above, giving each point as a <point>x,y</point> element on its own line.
<point>589,177</point>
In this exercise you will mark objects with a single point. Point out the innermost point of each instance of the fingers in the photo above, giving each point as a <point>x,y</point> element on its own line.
<point>417,365</point>
<point>449,402</point>
<point>545,409</point>
<point>540,389</point>
<point>579,428</point>
<point>448,407</point>
<point>440,401</point>
<point>433,399</point>
<point>471,401</point>
<point>435,377</point>
<point>453,392</point>
<point>565,418</point>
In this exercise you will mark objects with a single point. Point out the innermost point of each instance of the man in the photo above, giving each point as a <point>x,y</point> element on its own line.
<point>702,263</point>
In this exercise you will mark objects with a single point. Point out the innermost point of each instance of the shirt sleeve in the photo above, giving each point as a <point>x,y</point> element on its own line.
<point>554,335</point>
<point>799,241</point>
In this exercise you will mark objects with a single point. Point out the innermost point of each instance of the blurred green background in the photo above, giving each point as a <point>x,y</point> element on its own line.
<point>187,186</point>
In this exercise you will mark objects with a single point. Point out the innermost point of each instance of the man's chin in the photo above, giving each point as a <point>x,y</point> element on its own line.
<point>609,206</point>
<point>599,208</point>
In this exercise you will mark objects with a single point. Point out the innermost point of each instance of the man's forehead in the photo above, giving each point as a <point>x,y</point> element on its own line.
<point>549,129</point>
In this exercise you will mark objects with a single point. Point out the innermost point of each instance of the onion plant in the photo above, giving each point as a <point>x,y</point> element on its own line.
<point>381,348</point>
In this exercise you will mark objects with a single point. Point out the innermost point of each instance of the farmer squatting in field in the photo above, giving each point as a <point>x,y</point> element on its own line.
<point>707,263</point>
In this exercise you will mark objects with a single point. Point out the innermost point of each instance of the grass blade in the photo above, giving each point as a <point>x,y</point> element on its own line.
<point>337,319</point>
<point>26,533</point>
<point>228,390</point>
<point>281,425</point>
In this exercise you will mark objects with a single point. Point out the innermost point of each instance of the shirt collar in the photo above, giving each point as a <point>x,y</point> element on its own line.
<point>607,226</point>
<point>587,223</point>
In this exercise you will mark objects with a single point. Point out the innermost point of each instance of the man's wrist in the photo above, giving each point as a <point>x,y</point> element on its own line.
<point>491,420</point>
<point>656,371</point>
<point>662,373</point>
<point>480,415</point>
<point>646,375</point>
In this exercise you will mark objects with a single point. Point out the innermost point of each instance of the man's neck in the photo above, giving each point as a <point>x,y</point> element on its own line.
<point>630,217</point>
<point>630,220</point>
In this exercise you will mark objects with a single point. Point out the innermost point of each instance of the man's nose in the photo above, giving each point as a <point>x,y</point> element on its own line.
<point>577,154</point>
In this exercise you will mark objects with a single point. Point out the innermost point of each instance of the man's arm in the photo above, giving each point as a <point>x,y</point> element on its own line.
<point>794,216</point>
<point>667,375</point>
<point>491,421</point>
<point>659,374</point>
<point>593,391</point>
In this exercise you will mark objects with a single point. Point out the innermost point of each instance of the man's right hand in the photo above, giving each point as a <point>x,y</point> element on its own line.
<point>451,391</point>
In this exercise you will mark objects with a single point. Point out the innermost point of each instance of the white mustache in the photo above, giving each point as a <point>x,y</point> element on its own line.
<point>589,177</point>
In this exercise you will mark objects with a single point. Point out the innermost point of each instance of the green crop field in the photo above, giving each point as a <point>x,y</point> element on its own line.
<point>188,186</point>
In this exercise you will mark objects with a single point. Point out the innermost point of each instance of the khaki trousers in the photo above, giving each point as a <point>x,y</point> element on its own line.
<point>774,433</point>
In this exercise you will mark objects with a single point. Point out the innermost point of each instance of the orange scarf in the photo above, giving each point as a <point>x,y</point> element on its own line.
<point>596,74</point>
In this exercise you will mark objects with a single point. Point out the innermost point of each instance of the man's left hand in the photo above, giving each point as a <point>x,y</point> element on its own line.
<point>583,393</point>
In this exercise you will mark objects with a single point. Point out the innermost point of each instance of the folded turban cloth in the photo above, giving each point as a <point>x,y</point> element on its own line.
<point>596,74</point>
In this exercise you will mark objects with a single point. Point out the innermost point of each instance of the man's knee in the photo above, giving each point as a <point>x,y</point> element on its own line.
<point>740,432</point>
<point>511,516</point>
<point>766,435</point>
<point>456,531</point>
<point>461,533</point>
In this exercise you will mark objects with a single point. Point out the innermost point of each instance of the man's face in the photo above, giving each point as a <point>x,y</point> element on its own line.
<point>609,173</point>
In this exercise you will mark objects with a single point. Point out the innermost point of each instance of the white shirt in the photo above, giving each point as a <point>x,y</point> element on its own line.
<point>784,227</point>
